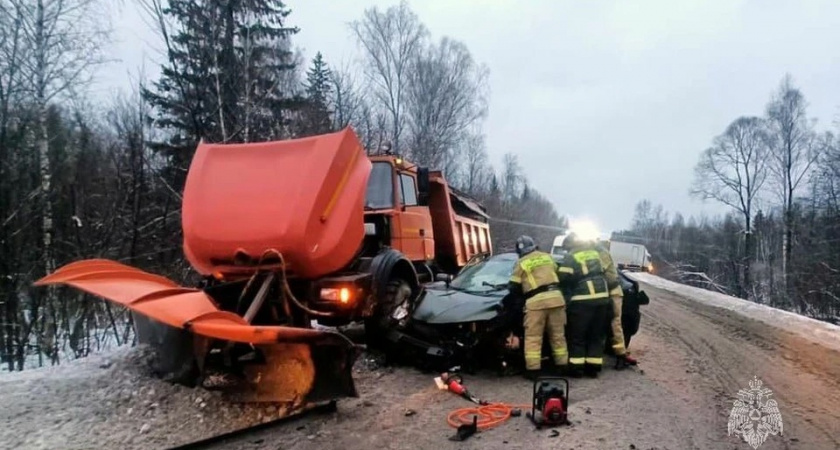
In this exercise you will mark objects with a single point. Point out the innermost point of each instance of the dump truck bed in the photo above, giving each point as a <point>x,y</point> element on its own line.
<point>460,224</point>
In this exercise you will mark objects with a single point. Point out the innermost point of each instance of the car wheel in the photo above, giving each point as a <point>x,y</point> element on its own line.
<point>395,300</point>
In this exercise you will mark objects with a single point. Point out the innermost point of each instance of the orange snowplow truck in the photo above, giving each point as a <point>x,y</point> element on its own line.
<point>285,233</point>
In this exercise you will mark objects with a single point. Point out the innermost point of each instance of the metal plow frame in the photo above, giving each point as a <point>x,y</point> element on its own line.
<point>193,338</point>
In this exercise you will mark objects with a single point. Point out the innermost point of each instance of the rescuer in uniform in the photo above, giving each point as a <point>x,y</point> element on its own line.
<point>535,278</point>
<point>616,295</point>
<point>582,273</point>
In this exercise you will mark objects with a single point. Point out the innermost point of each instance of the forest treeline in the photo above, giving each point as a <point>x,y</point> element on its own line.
<point>81,179</point>
<point>779,176</point>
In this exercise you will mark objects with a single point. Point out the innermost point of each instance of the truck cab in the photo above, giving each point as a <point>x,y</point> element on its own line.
<point>397,211</point>
<point>413,210</point>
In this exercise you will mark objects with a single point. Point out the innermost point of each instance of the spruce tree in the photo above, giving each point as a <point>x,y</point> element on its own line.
<point>223,80</point>
<point>318,87</point>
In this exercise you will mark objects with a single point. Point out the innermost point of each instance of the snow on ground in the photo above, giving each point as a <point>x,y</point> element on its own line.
<point>112,400</point>
<point>823,333</point>
<point>102,341</point>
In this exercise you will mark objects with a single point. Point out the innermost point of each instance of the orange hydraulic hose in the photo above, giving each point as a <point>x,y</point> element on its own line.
<point>489,415</point>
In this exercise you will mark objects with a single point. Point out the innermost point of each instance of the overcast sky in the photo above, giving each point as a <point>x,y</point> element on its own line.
<point>605,102</point>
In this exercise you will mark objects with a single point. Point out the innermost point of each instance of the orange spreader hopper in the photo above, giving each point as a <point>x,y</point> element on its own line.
<point>302,197</point>
<point>159,298</point>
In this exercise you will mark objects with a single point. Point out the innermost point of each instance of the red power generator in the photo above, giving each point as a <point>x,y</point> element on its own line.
<point>550,402</point>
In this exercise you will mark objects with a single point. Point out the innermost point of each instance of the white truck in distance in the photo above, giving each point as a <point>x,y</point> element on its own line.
<point>625,255</point>
<point>630,256</point>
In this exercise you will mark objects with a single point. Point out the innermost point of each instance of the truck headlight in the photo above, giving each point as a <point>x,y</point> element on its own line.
<point>342,295</point>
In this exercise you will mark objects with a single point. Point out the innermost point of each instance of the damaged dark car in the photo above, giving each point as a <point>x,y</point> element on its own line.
<point>473,322</point>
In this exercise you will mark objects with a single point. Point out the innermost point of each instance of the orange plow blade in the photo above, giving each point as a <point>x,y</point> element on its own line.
<point>162,300</point>
<point>296,364</point>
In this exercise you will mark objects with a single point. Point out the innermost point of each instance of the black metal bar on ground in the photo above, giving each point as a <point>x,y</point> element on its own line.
<point>324,408</point>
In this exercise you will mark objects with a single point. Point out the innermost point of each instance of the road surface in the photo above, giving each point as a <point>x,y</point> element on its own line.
<point>694,360</point>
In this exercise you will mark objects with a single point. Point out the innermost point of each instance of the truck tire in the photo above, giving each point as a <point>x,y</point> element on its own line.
<point>396,295</point>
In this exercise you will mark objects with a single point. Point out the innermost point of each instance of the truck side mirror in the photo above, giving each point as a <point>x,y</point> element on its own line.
<point>423,186</point>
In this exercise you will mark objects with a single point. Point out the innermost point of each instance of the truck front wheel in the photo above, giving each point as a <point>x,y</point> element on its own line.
<point>394,301</point>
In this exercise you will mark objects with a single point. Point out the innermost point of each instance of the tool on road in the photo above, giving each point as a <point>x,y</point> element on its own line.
<point>465,431</point>
<point>551,401</point>
<point>485,416</point>
<point>453,383</point>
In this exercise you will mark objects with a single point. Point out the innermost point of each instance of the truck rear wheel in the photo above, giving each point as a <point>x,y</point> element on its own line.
<point>397,295</point>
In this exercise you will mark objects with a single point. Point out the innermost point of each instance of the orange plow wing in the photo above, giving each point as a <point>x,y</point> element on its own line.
<point>163,300</point>
<point>297,364</point>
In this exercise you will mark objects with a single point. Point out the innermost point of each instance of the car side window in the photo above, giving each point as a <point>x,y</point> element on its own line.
<point>409,190</point>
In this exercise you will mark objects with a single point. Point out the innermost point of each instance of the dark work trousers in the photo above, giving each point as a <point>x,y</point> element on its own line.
<point>588,321</point>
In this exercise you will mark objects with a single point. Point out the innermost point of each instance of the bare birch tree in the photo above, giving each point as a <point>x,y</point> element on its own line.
<point>793,154</point>
<point>733,172</point>
<point>447,96</point>
<point>63,42</point>
<point>476,170</point>
<point>390,41</point>
<point>346,101</point>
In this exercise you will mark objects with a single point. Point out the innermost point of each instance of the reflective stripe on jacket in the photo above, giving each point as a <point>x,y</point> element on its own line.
<point>582,271</point>
<point>536,272</point>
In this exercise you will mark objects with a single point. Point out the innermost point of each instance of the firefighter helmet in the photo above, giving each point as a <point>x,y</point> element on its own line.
<point>525,245</point>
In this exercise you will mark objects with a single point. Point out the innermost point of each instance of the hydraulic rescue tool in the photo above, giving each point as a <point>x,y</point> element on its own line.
<point>469,420</point>
<point>454,384</point>
<point>550,402</point>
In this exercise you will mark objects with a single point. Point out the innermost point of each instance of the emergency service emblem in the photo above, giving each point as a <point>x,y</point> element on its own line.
<point>754,415</point>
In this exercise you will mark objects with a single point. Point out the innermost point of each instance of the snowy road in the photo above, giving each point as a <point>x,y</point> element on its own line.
<point>695,357</point>
<point>704,354</point>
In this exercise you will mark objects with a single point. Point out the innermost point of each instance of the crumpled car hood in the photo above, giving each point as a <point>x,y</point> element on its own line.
<point>451,306</point>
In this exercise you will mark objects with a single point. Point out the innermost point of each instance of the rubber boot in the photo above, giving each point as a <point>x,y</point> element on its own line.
<point>624,361</point>
<point>591,370</point>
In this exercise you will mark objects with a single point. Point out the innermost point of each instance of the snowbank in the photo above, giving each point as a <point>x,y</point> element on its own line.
<point>112,400</point>
<point>823,333</point>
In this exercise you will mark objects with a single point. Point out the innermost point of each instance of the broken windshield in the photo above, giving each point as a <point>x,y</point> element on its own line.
<point>489,275</point>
